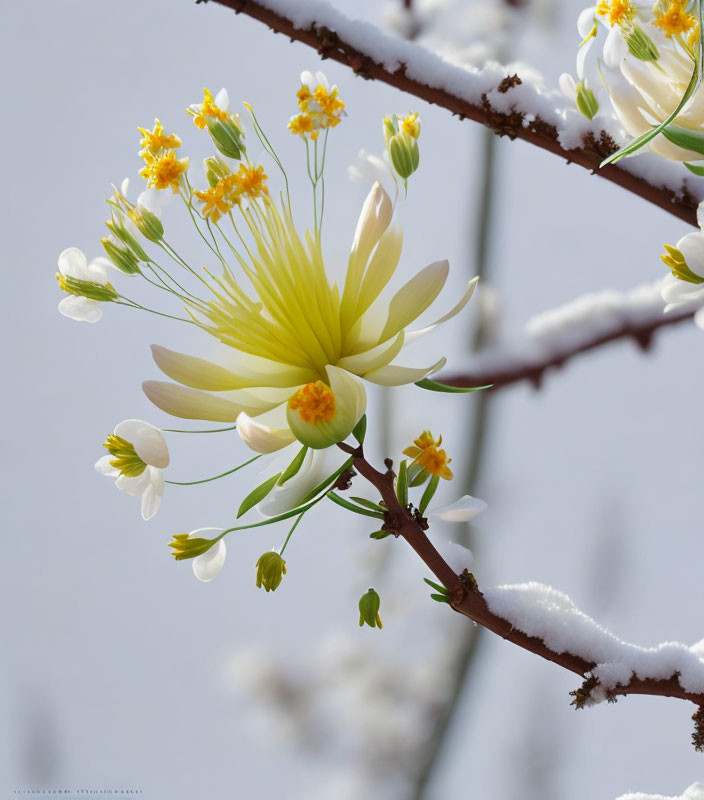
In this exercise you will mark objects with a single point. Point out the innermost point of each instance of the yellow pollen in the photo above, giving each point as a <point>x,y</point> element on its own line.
<point>251,181</point>
<point>301,124</point>
<point>315,402</point>
<point>164,171</point>
<point>208,109</point>
<point>618,12</point>
<point>411,126</point>
<point>156,140</point>
<point>674,19</point>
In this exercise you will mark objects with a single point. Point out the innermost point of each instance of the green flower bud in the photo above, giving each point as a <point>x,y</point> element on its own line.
<point>93,291</point>
<point>215,170</point>
<point>586,101</point>
<point>227,137</point>
<point>122,258</point>
<point>641,45</point>
<point>404,153</point>
<point>120,232</point>
<point>369,605</point>
<point>149,225</point>
<point>270,570</point>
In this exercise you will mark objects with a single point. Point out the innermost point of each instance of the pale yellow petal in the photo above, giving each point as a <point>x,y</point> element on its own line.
<point>414,297</point>
<point>186,403</point>
<point>260,437</point>
<point>381,268</point>
<point>393,375</point>
<point>375,358</point>
<point>411,336</point>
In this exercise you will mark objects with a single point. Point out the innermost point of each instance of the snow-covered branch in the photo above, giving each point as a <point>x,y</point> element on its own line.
<point>556,336</point>
<point>546,622</point>
<point>511,105</point>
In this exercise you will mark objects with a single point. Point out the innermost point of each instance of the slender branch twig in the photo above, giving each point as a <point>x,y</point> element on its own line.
<point>534,370</point>
<point>512,123</point>
<point>466,597</point>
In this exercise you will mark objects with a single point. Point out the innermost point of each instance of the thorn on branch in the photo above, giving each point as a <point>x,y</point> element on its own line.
<point>602,147</point>
<point>644,340</point>
<point>508,83</point>
<point>345,480</point>
<point>503,124</point>
<point>583,695</point>
<point>698,735</point>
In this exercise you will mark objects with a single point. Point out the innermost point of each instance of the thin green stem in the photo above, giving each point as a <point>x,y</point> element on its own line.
<point>133,304</point>
<point>215,477</point>
<point>208,430</point>
<point>290,533</point>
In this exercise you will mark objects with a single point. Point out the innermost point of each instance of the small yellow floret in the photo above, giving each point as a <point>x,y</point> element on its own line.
<point>674,19</point>
<point>617,12</point>
<point>208,109</point>
<point>156,140</point>
<point>251,181</point>
<point>315,402</point>
<point>216,201</point>
<point>320,109</point>
<point>164,171</point>
<point>301,124</point>
<point>426,454</point>
<point>411,125</point>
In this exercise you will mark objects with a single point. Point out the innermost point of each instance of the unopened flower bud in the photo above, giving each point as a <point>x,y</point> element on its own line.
<point>404,153</point>
<point>369,605</point>
<point>149,225</point>
<point>104,293</point>
<point>586,101</point>
<point>227,137</point>
<point>270,570</point>
<point>122,258</point>
<point>641,45</point>
<point>120,231</point>
<point>215,170</point>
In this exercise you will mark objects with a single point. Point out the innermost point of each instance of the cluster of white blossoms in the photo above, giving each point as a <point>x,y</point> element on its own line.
<point>649,66</point>
<point>297,348</point>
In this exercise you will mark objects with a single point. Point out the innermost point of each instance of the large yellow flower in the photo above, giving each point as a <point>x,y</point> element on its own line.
<point>301,344</point>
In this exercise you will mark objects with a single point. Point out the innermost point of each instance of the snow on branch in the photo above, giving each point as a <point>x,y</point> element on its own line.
<point>694,792</point>
<point>513,102</point>
<point>556,336</point>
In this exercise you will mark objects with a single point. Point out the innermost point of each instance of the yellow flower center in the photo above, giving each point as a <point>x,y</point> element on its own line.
<point>411,126</point>
<point>435,462</point>
<point>674,19</point>
<point>155,140</point>
<point>251,181</point>
<point>320,109</point>
<point>315,402</point>
<point>617,12</point>
<point>165,171</point>
<point>126,459</point>
<point>208,109</point>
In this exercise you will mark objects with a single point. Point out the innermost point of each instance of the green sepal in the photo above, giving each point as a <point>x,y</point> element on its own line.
<point>641,46</point>
<point>379,534</point>
<point>369,605</point>
<point>430,490</point>
<point>586,101</point>
<point>434,386</point>
<point>185,547</point>
<point>365,512</point>
<point>417,475</point>
<point>293,468</point>
<point>258,494</point>
<point>104,293</point>
<point>402,483</point>
<point>360,429</point>
<point>695,169</point>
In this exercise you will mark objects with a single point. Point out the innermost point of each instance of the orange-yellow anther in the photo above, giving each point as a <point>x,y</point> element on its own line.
<point>315,402</point>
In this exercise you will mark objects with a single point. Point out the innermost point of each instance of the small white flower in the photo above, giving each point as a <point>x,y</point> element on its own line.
<point>678,293</point>
<point>466,508</point>
<point>208,566</point>
<point>73,264</point>
<point>138,454</point>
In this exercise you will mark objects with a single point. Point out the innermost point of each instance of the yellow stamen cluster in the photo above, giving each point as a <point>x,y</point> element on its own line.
<point>207,110</point>
<point>162,169</point>
<point>320,109</point>
<point>126,459</point>
<point>617,12</point>
<point>410,125</point>
<point>156,140</point>
<point>426,453</point>
<point>674,19</point>
<point>315,402</point>
<point>248,182</point>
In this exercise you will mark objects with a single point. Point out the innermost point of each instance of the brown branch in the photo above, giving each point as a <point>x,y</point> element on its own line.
<point>512,123</point>
<point>641,333</point>
<point>467,599</point>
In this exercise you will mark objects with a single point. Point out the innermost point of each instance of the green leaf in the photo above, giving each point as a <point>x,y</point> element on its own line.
<point>402,483</point>
<point>327,481</point>
<point>441,598</point>
<point>692,86</point>
<point>360,429</point>
<point>434,386</point>
<point>258,494</point>
<point>293,468</point>
<point>430,490</point>
<point>695,169</point>
<point>437,586</point>
<point>379,534</point>
<point>684,137</point>
<point>417,475</point>
<point>362,501</point>
<point>365,512</point>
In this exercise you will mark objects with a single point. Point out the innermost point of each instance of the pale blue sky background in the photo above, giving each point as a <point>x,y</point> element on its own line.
<point>113,657</point>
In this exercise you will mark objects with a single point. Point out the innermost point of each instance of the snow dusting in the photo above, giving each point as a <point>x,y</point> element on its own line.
<point>694,792</point>
<point>541,611</point>
<point>468,83</point>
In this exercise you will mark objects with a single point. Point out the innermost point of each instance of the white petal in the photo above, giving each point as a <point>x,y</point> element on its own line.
<point>194,404</point>
<point>568,87</point>
<point>152,200</point>
<point>317,465</point>
<point>104,467</point>
<point>411,300</point>
<point>615,47</point>
<point>393,375</point>
<point>375,358</point>
<point>374,219</point>
<point>260,437</point>
<point>369,167</point>
<point>700,215</point>
<point>347,389</point>
<point>208,566</point>
<point>585,21</point>
<point>461,510</point>
<point>321,80</point>
<point>135,487</point>
<point>581,60</point>
<point>411,336</point>
<point>699,319</point>
<point>151,497</point>
<point>692,248</point>
<point>72,262</point>
<point>459,557</point>
<point>149,442</point>
<point>308,80</point>
<point>222,99</point>
<point>82,309</point>
<point>124,187</point>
